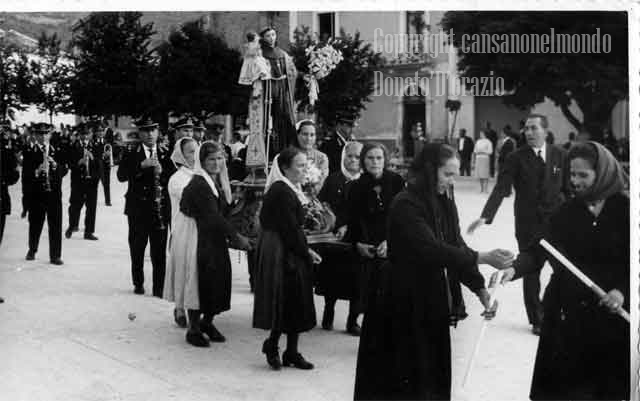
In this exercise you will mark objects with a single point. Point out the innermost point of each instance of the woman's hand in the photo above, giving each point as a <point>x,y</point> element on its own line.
<point>381,251</point>
<point>499,258</point>
<point>507,275</point>
<point>613,301</point>
<point>366,250</point>
<point>315,258</point>
<point>243,243</point>
<point>489,310</point>
<point>340,232</point>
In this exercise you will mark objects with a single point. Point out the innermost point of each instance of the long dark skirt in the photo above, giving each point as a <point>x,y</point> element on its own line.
<point>401,355</point>
<point>283,296</point>
<point>583,354</point>
<point>369,278</point>
<point>338,276</point>
<point>214,281</point>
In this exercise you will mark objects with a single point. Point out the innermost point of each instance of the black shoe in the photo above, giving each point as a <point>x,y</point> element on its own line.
<point>354,329</point>
<point>462,315</point>
<point>56,261</point>
<point>297,360</point>
<point>107,204</point>
<point>197,339</point>
<point>327,318</point>
<point>536,329</point>
<point>30,255</point>
<point>90,237</point>
<point>23,214</point>
<point>212,332</point>
<point>270,349</point>
<point>181,320</point>
<point>75,229</point>
<point>68,233</point>
<point>1,300</point>
<point>138,289</point>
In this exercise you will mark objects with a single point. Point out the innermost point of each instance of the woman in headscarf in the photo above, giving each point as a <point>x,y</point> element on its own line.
<point>181,278</point>
<point>370,197</point>
<point>338,274</point>
<point>283,301</point>
<point>405,347</point>
<point>583,353</point>
<point>203,201</point>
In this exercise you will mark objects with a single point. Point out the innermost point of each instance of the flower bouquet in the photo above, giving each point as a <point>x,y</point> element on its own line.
<point>318,217</point>
<point>321,61</point>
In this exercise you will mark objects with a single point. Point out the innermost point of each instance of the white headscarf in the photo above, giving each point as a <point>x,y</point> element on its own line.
<point>276,175</point>
<point>348,175</point>
<point>199,170</point>
<point>178,157</point>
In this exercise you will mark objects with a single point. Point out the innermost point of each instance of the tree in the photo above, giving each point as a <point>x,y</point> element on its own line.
<point>112,62</point>
<point>197,73</point>
<point>347,88</point>
<point>595,81</point>
<point>52,74</point>
<point>15,79</point>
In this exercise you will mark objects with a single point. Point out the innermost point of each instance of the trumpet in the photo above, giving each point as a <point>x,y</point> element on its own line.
<point>108,150</point>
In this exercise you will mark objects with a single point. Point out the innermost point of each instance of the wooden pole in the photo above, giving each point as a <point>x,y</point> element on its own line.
<point>581,276</point>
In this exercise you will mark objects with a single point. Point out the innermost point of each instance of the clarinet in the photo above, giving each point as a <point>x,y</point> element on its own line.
<point>157,196</point>
<point>47,179</point>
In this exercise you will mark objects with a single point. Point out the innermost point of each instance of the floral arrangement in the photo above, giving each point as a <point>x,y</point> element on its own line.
<point>318,216</point>
<point>321,61</point>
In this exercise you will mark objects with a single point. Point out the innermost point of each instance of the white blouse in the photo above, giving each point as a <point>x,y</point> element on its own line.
<point>483,146</point>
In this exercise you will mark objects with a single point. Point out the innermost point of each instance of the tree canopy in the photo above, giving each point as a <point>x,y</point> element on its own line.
<point>596,81</point>
<point>112,62</point>
<point>15,79</point>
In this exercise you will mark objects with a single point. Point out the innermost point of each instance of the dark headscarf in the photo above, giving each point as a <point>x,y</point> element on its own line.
<point>610,177</point>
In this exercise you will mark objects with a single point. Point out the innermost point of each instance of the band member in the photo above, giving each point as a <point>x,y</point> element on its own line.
<point>104,161</point>
<point>198,132</point>
<point>27,143</point>
<point>43,171</point>
<point>9,174</point>
<point>147,168</point>
<point>183,127</point>
<point>85,174</point>
<point>332,147</point>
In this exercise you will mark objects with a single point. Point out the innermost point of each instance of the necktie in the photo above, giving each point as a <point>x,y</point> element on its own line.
<point>540,158</point>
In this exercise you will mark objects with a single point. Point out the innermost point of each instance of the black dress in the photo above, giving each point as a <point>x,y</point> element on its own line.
<point>405,350</point>
<point>584,350</point>
<point>283,290</point>
<point>214,265</point>
<point>338,276</point>
<point>368,209</point>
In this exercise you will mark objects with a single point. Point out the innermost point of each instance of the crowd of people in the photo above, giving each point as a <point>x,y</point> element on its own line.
<point>395,250</point>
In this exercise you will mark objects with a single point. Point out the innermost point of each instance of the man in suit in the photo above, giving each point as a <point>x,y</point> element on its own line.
<point>44,168</point>
<point>9,173</point>
<point>465,148</point>
<point>539,174</point>
<point>198,132</point>
<point>104,155</point>
<point>147,168</point>
<point>84,159</point>
<point>332,147</point>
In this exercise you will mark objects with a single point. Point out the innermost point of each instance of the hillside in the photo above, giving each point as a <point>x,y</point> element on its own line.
<point>33,24</point>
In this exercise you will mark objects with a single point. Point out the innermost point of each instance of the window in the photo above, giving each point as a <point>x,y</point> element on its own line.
<point>326,25</point>
<point>415,25</point>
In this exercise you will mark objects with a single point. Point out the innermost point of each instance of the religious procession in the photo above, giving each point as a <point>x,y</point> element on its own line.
<point>384,239</point>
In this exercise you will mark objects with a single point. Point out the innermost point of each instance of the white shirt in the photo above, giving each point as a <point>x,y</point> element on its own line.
<point>542,150</point>
<point>149,151</point>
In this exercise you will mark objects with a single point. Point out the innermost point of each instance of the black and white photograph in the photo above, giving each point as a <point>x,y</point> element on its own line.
<point>323,200</point>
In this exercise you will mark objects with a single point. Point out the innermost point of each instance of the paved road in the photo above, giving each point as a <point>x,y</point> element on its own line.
<point>65,332</point>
